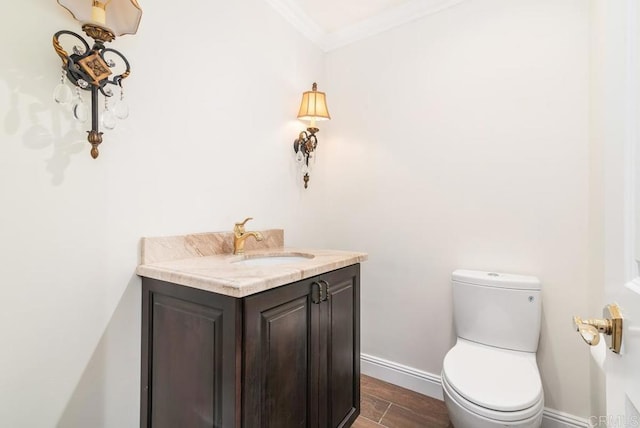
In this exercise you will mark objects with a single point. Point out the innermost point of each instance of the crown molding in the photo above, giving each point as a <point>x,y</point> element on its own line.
<point>292,13</point>
<point>377,24</point>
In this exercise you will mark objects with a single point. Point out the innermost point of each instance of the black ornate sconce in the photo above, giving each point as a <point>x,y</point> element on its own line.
<point>93,68</point>
<point>312,107</point>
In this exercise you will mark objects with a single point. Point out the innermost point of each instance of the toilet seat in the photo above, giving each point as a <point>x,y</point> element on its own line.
<point>497,418</point>
<point>496,383</point>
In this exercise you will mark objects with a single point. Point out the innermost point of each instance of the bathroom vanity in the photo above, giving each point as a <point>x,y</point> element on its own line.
<point>270,338</point>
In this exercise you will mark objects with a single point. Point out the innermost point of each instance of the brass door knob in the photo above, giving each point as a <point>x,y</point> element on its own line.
<point>610,326</point>
<point>588,332</point>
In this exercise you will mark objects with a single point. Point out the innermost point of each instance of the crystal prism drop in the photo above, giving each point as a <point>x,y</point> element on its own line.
<point>299,156</point>
<point>80,111</point>
<point>62,94</point>
<point>121,109</point>
<point>108,120</point>
<point>83,83</point>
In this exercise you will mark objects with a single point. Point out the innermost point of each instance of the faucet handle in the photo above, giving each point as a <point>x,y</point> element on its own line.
<point>239,227</point>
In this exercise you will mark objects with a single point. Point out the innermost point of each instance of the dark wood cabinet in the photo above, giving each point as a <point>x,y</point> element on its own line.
<point>190,342</point>
<point>286,357</point>
<point>302,353</point>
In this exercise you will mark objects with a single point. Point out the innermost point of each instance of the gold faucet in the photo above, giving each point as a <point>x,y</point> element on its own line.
<point>239,236</point>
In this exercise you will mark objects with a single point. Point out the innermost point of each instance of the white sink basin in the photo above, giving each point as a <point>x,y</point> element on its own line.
<point>272,260</point>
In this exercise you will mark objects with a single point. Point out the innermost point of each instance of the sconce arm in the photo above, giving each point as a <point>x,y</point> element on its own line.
<point>117,80</point>
<point>64,56</point>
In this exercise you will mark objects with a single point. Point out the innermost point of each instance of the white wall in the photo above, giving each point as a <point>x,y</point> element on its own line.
<point>213,96</point>
<point>461,141</point>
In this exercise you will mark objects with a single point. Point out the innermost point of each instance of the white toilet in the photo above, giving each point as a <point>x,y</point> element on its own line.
<point>490,377</point>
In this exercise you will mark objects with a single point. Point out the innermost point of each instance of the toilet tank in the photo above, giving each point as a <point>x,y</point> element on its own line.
<point>497,309</point>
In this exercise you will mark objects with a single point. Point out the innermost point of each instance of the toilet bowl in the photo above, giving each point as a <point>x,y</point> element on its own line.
<point>487,388</point>
<point>490,378</point>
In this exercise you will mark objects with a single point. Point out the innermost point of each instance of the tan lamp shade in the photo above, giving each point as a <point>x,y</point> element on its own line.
<point>314,105</point>
<point>120,16</point>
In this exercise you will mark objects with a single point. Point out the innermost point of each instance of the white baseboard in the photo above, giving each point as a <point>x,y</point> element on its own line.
<point>430,385</point>
<point>556,419</point>
<point>404,376</point>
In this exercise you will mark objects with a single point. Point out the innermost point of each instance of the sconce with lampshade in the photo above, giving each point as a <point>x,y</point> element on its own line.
<point>97,68</point>
<point>313,107</point>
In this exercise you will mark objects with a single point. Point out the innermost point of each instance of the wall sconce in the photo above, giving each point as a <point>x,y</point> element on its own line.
<point>90,69</point>
<point>313,107</point>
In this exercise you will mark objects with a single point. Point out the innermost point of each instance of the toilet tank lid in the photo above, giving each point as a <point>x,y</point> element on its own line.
<point>496,279</point>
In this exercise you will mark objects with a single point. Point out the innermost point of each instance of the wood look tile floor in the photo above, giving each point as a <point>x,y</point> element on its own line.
<point>386,405</point>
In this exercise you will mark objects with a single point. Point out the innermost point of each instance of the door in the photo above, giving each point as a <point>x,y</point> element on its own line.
<point>340,342</point>
<point>189,368</point>
<point>615,70</point>
<point>280,388</point>
<point>302,353</point>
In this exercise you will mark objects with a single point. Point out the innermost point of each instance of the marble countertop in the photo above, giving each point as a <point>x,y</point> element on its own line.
<point>196,261</point>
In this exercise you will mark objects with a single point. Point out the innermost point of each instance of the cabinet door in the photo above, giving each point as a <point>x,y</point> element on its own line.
<point>340,342</point>
<point>280,370</point>
<point>189,370</point>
